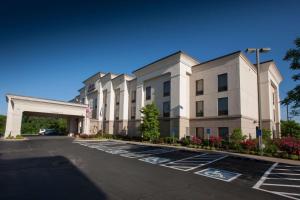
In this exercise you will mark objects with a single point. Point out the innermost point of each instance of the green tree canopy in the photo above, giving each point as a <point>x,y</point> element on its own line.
<point>2,124</point>
<point>32,124</point>
<point>290,128</point>
<point>150,122</point>
<point>293,96</point>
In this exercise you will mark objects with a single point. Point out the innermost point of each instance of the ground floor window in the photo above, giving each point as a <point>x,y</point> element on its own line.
<point>200,132</point>
<point>224,133</point>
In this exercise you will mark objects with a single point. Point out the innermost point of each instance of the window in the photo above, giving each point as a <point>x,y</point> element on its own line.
<point>167,88</point>
<point>133,96</point>
<point>200,132</point>
<point>95,103</point>
<point>83,100</point>
<point>199,87</point>
<point>117,92</point>
<point>223,106</point>
<point>273,98</point>
<point>224,133</point>
<point>166,109</point>
<point>222,82</point>
<point>148,93</point>
<point>117,109</point>
<point>132,112</point>
<point>199,108</point>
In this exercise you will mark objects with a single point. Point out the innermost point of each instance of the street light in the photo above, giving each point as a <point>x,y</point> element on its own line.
<point>259,50</point>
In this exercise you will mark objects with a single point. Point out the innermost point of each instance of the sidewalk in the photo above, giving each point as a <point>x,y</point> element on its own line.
<point>264,158</point>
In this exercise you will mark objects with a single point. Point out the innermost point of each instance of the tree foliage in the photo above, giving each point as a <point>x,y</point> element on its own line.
<point>32,124</point>
<point>2,124</point>
<point>293,96</point>
<point>150,122</point>
<point>290,128</point>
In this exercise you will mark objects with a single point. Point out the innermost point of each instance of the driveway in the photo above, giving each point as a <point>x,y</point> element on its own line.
<point>60,168</point>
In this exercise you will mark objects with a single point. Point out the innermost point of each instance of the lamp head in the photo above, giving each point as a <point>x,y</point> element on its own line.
<point>264,50</point>
<point>250,50</point>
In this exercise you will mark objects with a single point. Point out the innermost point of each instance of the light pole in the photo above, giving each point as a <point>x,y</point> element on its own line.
<point>258,51</point>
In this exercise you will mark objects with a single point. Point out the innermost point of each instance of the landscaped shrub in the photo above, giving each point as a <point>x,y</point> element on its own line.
<point>150,122</point>
<point>196,141</point>
<point>215,141</point>
<point>170,140</point>
<point>236,138</point>
<point>266,135</point>
<point>185,141</point>
<point>291,145</point>
<point>270,148</point>
<point>249,145</point>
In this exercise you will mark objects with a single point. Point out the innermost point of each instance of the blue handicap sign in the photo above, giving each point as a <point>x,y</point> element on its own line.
<point>218,174</point>
<point>258,132</point>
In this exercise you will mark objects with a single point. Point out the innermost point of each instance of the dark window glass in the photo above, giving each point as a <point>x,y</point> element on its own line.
<point>117,93</point>
<point>199,108</point>
<point>200,132</point>
<point>166,109</point>
<point>148,93</point>
<point>199,87</point>
<point>222,82</point>
<point>133,96</point>
<point>224,133</point>
<point>223,106</point>
<point>167,88</point>
<point>132,112</point>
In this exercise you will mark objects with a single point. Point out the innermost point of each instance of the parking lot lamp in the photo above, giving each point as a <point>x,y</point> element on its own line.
<point>258,51</point>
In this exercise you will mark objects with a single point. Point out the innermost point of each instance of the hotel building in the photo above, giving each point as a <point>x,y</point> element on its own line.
<point>194,98</point>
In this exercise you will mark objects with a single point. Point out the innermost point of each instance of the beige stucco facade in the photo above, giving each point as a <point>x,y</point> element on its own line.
<point>182,71</point>
<point>114,100</point>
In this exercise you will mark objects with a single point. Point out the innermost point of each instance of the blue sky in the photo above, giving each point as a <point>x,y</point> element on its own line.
<point>49,47</point>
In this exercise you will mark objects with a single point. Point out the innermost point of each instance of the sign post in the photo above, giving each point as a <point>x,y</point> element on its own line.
<point>208,134</point>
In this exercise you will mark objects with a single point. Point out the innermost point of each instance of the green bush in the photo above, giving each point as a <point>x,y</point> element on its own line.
<point>266,135</point>
<point>150,122</point>
<point>19,137</point>
<point>170,140</point>
<point>236,138</point>
<point>270,148</point>
<point>185,141</point>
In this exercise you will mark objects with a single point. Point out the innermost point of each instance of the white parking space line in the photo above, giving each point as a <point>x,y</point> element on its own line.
<point>147,153</point>
<point>277,187</point>
<point>193,162</point>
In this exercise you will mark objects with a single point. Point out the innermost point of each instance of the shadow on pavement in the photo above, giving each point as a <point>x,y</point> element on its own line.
<point>45,178</point>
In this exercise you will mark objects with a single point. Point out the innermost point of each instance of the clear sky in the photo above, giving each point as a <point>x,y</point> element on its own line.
<point>47,48</point>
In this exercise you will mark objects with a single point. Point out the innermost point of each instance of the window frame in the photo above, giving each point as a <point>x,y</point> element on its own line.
<point>199,92</point>
<point>133,96</point>
<point>219,131</point>
<point>222,112</point>
<point>222,88</point>
<point>165,84</point>
<point>199,114</point>
<point>148,96</point>
<point>166,114</point>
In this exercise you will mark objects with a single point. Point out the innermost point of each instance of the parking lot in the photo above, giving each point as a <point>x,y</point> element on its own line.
<point>60,168</point>
<point>279,179</point>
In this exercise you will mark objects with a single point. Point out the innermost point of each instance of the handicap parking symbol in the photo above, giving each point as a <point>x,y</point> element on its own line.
<point>218,174</point>
<point>155,160</point>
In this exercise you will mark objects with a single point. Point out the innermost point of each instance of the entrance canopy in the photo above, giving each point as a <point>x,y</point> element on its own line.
<point>17,105</point>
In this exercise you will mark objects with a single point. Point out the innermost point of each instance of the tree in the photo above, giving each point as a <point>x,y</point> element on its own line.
<point>293,96</point>
<point>236,138</point>
<point>2,124</point>
<point>150,123</point>
<point>290,128</point>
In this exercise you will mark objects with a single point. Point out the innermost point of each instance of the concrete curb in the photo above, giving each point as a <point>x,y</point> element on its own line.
<point>263,158</point>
